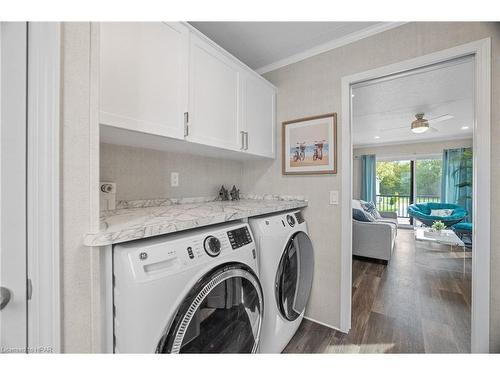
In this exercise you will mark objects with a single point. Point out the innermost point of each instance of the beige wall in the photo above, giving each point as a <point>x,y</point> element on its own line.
<point>79,158</point>
<point>407,150</point>
<point>145,174</point>
<point>313,87</point>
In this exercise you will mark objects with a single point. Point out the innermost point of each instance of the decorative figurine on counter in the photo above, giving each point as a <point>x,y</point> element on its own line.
<point>223,194</point>
<point>235,194</point>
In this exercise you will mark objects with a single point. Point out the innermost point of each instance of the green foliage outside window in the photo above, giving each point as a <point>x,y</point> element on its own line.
<point>395,177</point>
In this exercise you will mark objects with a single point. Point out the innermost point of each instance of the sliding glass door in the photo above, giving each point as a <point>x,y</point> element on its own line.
<point>394,186</point>
<point>404,182</point>
<point>428,180</point>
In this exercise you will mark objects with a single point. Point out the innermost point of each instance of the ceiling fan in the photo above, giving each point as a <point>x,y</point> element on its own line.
<point>421,124</point>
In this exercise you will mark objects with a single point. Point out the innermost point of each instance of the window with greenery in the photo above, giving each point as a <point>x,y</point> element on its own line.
<point>394,177</point>
<point>428,177</point>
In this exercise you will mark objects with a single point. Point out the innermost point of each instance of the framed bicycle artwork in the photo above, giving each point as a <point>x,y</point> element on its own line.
<point>309,145</point>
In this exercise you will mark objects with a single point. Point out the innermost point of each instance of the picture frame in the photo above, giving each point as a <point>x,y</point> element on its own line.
<point>309,145</point>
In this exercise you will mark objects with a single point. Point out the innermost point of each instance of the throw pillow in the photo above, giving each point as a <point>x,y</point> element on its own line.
<point>371,209</point>
<point>361,215</point>
<point>443,213</point>
<point>356,203</point>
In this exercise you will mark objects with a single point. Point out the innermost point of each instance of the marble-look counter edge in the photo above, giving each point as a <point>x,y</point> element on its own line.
<point>160,227</point>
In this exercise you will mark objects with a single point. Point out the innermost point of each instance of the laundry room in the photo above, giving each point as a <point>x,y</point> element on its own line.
<point>148,196</point>
<point>277,185</point>
<point>233,161</point>
<point>161,173</point>
<point>180,170</point>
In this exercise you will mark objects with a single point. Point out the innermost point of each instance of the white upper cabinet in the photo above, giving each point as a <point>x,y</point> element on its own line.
<point>259,119</point>
<point>214,85</point>
<point>168,81</point>
<point>144,73</point>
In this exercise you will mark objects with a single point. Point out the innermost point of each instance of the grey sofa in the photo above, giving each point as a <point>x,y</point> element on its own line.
<point>375,239</point>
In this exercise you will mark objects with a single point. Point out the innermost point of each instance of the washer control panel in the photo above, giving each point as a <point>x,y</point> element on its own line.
<point>239,237</point>
<point>160,256</point>
<point>190,252</point>
<point>299,217</point>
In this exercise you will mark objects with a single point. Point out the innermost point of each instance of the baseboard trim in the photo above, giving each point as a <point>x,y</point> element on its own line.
<point>324,324</point>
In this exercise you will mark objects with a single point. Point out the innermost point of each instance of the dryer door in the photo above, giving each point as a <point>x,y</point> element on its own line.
<point>294,276</point>
<point>222,314</point>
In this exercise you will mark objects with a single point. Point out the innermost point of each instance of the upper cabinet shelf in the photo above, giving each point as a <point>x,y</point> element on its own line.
<point>170,81</point>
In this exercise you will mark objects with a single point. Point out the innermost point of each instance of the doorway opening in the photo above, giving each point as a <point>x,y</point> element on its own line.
<point>478,216</point>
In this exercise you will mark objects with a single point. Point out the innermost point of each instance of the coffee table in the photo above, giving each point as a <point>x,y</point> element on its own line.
<point>445,236</point>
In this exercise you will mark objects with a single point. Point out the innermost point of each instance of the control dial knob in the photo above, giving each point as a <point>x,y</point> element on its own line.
<point>212,246</point>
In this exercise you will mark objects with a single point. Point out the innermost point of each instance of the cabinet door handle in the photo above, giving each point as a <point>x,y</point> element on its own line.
<point>242,140</point>
<point>246,140</point>
<point>186,124</point>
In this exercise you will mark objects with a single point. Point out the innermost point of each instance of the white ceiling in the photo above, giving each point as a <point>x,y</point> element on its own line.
<point>386,108</point>
<point>260,44</point>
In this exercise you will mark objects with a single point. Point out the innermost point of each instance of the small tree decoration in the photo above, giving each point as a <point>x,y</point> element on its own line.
<point>438,226</point>
<point>223,194</point>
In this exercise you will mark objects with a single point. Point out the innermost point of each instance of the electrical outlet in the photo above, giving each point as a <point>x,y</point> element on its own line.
<point>174,179</point>
<point>334,197</point>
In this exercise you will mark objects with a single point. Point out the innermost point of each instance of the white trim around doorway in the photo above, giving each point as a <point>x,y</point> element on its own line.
<point>44,307</point>
<point>481,50</point>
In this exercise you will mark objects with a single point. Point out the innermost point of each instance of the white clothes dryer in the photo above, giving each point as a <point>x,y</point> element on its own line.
<point>286,266</point>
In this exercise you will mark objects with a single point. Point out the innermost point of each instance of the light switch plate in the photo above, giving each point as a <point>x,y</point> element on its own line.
<point>334,197</point>
<point>174,179</point>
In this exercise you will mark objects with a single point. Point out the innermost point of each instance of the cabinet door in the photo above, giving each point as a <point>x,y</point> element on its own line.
<point>259,116</point>
<point>144,76</point>
<point>214,115</point>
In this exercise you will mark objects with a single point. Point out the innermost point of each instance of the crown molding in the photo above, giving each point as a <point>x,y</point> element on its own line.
<point>336,43</point>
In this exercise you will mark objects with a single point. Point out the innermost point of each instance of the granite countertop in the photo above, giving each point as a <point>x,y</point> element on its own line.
<point>132,220</point>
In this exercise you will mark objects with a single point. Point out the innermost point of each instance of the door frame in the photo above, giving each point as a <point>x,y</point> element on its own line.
<point>43,195</point>
<point>13,149</point>
<point>480,309</point>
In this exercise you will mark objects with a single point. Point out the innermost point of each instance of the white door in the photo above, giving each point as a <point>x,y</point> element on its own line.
<point>259,116</point>
<point>144,76</point>
<point>13,315</point>
<point>214,108</point>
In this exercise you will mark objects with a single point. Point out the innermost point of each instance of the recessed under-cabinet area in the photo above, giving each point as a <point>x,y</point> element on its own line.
<point>169,81</point>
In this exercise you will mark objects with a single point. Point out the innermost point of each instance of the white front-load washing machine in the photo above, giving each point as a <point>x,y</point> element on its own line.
<point>193,292</point>
<point>286,264</point>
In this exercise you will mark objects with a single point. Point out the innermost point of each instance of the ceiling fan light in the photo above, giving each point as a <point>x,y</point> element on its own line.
<point>420,125</point>
<point>419,129</point>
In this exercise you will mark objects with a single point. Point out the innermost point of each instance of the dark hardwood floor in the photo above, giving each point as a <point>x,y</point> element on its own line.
<point>418,303</point>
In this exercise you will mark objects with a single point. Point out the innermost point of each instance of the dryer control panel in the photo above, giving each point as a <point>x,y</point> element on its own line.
<point>239,237</point>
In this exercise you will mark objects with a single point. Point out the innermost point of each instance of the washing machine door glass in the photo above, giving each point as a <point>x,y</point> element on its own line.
<point>222,314</point>
<point>294,276</point>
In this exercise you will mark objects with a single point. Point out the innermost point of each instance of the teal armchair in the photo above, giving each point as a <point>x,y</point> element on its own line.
<point>422,212</point>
